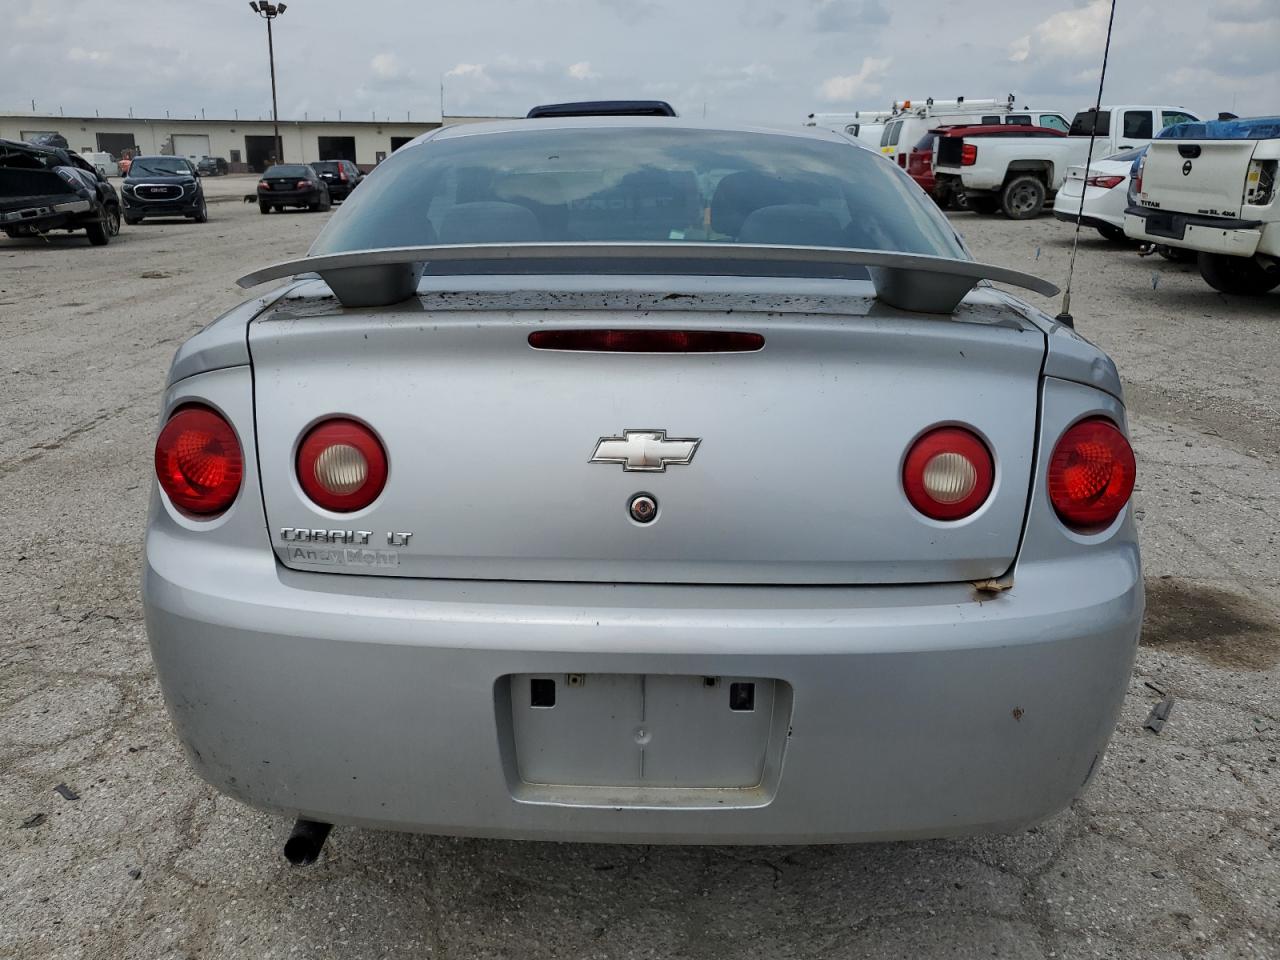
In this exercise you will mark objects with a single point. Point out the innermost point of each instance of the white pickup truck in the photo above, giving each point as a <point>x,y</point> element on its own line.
<point>1212,188</point>
<point>1019,175</point>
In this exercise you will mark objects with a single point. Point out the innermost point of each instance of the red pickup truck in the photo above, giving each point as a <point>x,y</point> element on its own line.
<point>920,159</point>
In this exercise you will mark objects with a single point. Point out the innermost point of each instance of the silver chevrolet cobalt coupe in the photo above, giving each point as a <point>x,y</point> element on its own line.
<point>637,480</point>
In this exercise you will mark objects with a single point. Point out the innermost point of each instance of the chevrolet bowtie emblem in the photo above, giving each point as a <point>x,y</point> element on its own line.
<point>644,450</point>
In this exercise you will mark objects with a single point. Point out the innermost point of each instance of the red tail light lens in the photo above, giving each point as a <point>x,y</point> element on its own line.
<point>342,173</point>
<point>902,160</point>
<point>948,473</point>
<point>1105,182</point>
<point>303,184</point>
<point>263,185</point>
<point>342,466</point>
<point>1091,474</point>
<point>647,341</point>
<point>199,462</point>
<point>968,155</point>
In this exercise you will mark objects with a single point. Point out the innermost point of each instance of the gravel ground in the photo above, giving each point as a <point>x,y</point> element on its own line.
<point>1171,852</point>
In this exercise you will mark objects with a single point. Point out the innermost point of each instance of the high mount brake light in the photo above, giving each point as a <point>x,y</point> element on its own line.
<point>199,462</point>
<point>647,341</point>
<point>342,465</point>
<point>1091,474</point>
<point>948,473</point>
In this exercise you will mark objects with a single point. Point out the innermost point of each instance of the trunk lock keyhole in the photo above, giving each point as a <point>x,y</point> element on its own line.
<point>643,508</point>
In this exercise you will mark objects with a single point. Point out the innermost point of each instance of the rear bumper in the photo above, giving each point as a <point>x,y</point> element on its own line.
<point>292,198</point>
<point>44,214</point>
<point>1230,237</point>
<point>914,711</point>
<point>1085,221</point>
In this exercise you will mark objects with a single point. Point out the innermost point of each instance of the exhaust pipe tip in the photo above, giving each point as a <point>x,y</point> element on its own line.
<point>305,842</point>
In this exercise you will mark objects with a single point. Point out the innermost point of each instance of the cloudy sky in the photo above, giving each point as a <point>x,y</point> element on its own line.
<point>770,61</point>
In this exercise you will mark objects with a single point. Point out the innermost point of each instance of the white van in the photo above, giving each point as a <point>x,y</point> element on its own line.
<point>104,163</point>
<point>864,125</point>
<point>915,119</point>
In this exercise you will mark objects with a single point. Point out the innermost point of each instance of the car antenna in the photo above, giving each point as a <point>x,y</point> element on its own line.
<point>1064,316</point>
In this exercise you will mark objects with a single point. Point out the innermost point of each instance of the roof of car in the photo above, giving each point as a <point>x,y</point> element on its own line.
<point>635,123</point>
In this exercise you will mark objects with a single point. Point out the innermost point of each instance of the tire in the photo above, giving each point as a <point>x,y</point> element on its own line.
<point>202,215</point>
<point>264,206</point>
<point>1023,198</point>
<point>1114,234</point>
<point>11,233</point>
<point>959,200</point>
<point>983,205</point>
<point>1241,276</point>
<point>108,226</point>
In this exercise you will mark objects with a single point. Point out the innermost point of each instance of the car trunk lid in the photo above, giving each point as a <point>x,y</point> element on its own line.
<point>796,473</point>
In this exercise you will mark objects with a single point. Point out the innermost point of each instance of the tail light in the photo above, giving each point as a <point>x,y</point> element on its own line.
<point>968,154</point>
<point>1259,185</point>
<point>341,465</point>
<point>948,473</point>
<point>1091,474</point>
<point>303,184</point>
<point>199,462</point>
<point>342,173</point>
<point>1104,182</point>
<point>647,341</point>
<point>902,160</point>
<point>1136,177</point>
<point>263,185</point>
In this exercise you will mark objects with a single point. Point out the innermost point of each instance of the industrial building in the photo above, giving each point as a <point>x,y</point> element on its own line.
<point>247,145</point>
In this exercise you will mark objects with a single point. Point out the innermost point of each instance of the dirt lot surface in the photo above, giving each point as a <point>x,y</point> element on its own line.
<point>1171,852</point>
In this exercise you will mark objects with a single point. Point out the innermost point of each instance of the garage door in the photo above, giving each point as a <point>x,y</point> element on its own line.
<point>191,145</point>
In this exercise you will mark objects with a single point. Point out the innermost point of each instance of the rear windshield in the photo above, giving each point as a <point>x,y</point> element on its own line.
<point>158,167</point>
<point>1086,121</point>
<point>630,184</point>
<point>1125,156</point>
<point>326,166</point>
<point>288,170</point>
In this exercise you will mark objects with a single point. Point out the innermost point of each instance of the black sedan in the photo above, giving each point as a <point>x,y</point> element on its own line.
<point>163,186</point>
<point>342,176</point>
<point>292,185</point>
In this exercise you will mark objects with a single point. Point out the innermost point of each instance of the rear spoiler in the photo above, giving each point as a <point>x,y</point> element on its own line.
<point>908,281</point>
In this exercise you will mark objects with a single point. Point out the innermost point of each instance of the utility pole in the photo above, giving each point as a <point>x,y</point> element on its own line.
<point>268,12</point>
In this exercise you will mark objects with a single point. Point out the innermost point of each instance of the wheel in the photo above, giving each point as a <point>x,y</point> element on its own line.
<point>108,226</point>
<point>1114,234</point>
<point>315,207</point>
<point>264,206</point>
<point>984,205</point>
<point>959,200</point>
<point>202,215</point>
<point>11,233</point>
<point>326,203</point>
<point>1023,198</point>
<point>1242,276</point>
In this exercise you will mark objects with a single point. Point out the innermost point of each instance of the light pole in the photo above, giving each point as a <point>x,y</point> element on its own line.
<point>268,12</point>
